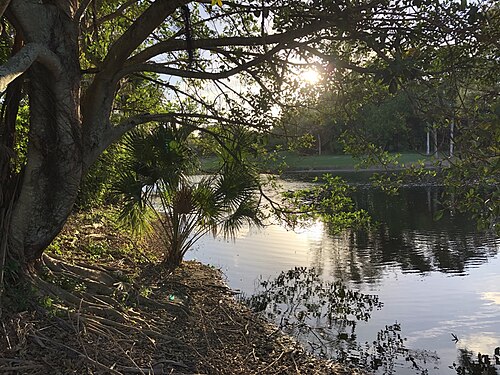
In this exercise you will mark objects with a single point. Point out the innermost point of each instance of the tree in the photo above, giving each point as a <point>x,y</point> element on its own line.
<point>160,194</point>
<point>74,60</point>
<point>447,88</point>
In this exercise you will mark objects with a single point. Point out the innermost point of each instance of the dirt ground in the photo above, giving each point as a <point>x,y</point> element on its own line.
<point>113,314</point>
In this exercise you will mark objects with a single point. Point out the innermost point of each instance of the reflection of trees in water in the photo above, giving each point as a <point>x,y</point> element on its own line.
<point>423,251</point>
<point>408,237</point>
<point>324,315</point>
<point>470,364</point>
<point>364,256</point>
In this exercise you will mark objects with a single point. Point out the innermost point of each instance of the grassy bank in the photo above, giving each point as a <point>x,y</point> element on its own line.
<point>294,162</point>
<point>335,162</point>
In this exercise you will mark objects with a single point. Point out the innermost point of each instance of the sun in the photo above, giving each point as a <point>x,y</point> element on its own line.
<point>310,76</point>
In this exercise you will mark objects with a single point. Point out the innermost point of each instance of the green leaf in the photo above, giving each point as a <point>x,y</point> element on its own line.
<point>438,215</point>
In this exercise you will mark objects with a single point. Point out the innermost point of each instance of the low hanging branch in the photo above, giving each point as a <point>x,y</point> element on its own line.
<point>22,60</point>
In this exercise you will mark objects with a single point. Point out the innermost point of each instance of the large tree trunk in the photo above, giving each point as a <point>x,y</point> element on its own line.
<point>62,142</point>
<point>51,177</point>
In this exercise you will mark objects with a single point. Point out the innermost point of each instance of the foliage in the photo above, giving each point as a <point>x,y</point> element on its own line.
<point>418,85</point>
<point>385,123</point>
<point>157,192</point>
<point>106,67</point>
<point>95,189</point>
<point>328,201</point>
<point>395,171</point>
<point>473,176</point>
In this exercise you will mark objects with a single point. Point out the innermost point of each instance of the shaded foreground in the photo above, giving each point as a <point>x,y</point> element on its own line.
<point>103,311</point>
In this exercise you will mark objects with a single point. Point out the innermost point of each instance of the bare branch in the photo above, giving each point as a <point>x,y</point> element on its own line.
<point>22,60</point>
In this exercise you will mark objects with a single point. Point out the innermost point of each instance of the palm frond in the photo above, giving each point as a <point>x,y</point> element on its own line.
<point>246,213</point>
<point>155,183</point>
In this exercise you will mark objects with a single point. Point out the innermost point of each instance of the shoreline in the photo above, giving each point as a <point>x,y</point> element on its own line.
<point>111,313</point>
<point>211,333</point>
<point>349,170</point>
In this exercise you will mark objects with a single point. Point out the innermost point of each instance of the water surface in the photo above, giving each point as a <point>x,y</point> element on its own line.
<point>437,279</point>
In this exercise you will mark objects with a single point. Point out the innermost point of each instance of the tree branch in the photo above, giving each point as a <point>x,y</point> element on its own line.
<point>96,107</point>
<point>121,9</point>
<point>22,61</point>
<point>3,6</point>
<point>81,10</point>
<point>162,69</point>
<point>178,92</point>
<point>113,133</point>
<point>138,32</point>
<point>180,44</point>
<point>336,61</point>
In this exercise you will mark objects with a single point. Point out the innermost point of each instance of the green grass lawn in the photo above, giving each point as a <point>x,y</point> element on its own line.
<point>319,162</point>
<point>297,162</point>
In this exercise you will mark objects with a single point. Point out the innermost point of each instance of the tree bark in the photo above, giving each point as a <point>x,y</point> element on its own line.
<point>98,100</point>
<point>62,143</point>
<point>51,177</point>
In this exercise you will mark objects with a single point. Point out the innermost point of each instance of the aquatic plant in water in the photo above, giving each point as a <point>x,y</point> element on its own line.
<point>323,315</point>
<point>482,364</point>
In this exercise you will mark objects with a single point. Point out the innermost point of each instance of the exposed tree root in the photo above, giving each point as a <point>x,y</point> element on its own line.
<point>98,319</point>
<point>90,273</point>
<point>101,309</point>
<point>90,333</point>
<point>103,295</point>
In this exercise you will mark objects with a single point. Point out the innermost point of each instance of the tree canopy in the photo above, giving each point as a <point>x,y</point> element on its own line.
<point>77,75</point>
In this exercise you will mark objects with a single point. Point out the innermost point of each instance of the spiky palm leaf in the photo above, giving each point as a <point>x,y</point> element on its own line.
<point>184,210</point>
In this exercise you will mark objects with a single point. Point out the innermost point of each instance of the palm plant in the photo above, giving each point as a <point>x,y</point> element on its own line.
<point>159,191</point>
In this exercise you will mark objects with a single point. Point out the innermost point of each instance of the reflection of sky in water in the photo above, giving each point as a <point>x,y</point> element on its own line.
<point>434,278</point>
<point>494,297</point>
<point>480,342</point>
<point>432,307</point>
<point>429,305</point>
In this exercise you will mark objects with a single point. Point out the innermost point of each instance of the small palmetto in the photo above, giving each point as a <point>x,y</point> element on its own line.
<point>160,193</point>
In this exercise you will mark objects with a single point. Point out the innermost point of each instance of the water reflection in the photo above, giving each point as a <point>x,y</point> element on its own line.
<point>493,297</point>
<point>434,277</point>
<point>411,250</point>
<point>324,315</point>
<point>471,364</point>
<point>407,236</point>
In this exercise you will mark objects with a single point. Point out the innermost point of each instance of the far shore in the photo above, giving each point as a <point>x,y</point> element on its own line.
<point>350,170</point>
<point>293,163</point>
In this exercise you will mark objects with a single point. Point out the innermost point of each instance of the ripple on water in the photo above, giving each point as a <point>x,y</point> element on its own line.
<point>435,278</point>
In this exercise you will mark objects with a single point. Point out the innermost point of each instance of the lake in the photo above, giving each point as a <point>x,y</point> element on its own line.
<point>438,283</point>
